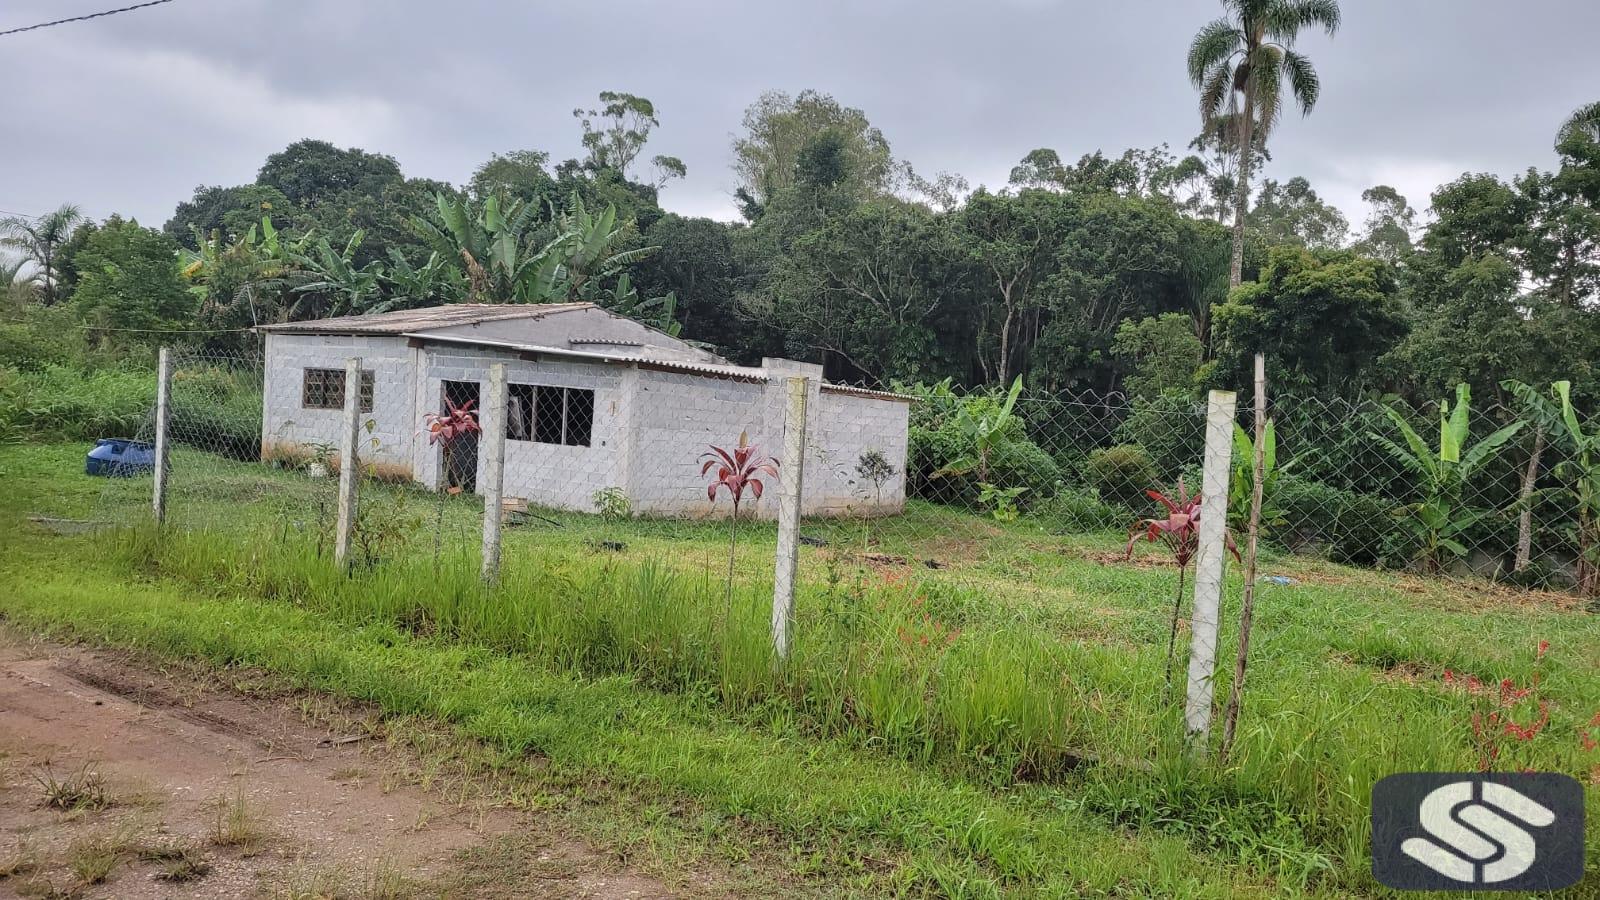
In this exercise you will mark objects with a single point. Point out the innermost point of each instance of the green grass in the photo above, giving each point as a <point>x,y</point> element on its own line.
<point>1033,755</point>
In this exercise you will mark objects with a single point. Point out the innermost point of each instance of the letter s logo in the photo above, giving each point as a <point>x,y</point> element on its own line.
<point>1493,849</point>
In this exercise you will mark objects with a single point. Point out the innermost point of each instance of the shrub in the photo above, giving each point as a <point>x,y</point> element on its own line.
<point>41,337</point>
<point>936,441</point>
<point>1121,474</point>
<point>1077,509</point>
<point>59,402</point>
<point>1171,429</point>
<point>218,409</point>
<point>1351,527</point>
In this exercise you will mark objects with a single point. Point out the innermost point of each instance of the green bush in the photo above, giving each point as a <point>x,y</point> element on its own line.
<point>1122,474</point>
<point>61,402</point>
<point>936,441</point>
<point>218,409</point>
<point>39,338</point>
<point>1350,527</point>
<point>1077,510</point>
<point>1171,429</point>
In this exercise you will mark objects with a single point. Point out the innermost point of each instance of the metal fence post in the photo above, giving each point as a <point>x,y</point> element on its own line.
<point>1220,408</point>
<point>494,467</point>
<point>158,497</point>
<point>349,434</point>
<point>791,477</point>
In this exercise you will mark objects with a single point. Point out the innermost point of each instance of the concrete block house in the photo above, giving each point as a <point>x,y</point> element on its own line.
<point>595,401</point>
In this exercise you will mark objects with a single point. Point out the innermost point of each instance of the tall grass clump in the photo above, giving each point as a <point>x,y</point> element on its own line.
<point>58,401</point>
<point>891,674</point>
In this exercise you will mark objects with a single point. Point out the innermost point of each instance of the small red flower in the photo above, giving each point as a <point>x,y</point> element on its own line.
<point>1543,646</point>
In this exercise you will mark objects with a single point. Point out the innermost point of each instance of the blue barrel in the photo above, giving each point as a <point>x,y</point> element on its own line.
<point>119,458</point>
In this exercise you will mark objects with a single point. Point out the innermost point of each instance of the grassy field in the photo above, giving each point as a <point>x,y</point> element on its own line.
<point>996,725</point>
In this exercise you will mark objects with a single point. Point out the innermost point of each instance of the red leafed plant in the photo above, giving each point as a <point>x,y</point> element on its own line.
<point>1180,530</point>
<point>444,429</point>
<point>1506,715</point>
<point>455,421</point>
<point>736,471</point>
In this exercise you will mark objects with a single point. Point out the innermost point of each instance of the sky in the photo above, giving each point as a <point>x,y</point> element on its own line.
<point>129,113</point>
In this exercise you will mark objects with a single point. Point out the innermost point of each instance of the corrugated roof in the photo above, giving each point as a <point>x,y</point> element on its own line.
<point>736,373</point>
<point>407,320</point>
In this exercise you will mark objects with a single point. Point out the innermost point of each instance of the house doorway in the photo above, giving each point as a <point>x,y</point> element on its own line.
<point>460,457</point>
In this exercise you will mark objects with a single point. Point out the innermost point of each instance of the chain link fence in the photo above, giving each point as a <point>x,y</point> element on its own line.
<point>624,463</point>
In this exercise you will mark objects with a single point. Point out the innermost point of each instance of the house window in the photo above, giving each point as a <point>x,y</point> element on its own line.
<point>324,389</point>
<point>550,415</point>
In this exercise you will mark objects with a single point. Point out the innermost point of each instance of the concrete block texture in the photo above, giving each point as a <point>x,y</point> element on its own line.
<point>647,426</point>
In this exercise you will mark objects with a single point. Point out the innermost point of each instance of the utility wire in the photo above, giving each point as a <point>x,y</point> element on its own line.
<point>109,12</point>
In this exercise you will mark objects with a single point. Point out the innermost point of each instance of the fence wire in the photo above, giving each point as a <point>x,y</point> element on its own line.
<point>970,487</point>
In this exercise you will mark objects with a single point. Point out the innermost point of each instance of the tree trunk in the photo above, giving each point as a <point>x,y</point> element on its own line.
<point>1242,189</point>
<point>49,282</point>
<point>1247,604</point>
<point>1525,516</point>
<point>1005,344</point>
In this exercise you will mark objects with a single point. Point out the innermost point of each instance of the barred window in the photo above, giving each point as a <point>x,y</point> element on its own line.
<point>550,415</point>
<point>324,389</point>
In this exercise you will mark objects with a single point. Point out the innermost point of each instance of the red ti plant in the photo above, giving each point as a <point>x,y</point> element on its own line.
<point>445,429</point>
<point>1180,530</point>
<point>736,471</point>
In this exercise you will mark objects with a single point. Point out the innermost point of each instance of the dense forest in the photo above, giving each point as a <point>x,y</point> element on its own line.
<point>1111,272</point>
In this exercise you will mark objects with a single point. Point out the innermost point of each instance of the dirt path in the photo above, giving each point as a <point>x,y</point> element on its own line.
<point>157,771</point>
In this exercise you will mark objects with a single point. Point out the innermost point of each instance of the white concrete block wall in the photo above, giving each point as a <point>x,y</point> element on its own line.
<point>844,427</point>
<point>557,476</point>
<point>678,415</point>
<point>288,426</point>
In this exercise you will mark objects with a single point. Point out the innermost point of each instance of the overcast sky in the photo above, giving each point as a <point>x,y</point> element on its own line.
<point>129,113</point>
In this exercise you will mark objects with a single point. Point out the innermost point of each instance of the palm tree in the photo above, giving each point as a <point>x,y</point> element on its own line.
<point>1239,63</point>
<point>1584,120</point>
<point>40,240</point>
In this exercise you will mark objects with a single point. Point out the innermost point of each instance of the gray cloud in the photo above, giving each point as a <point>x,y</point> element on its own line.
<point>129,113</point>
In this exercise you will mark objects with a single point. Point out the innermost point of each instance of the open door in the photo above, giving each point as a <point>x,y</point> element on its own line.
<point>460,458</point>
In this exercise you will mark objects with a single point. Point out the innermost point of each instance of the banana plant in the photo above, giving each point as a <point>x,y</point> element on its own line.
<point>1439,520</point>
<point>1241,485</point>
<point>589,253</point>
<point>657,312</point>
<point>272,268</point>
<point>334,275</point>
<point>496,246</point>
<point>408,286</point>
<point>1579,474</point>
<point>985,427</point>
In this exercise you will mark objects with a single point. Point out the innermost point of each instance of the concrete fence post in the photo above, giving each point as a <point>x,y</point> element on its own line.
<point>1209,557</point>
<point>791,477</point>
<point>349,464</point>
<point>158,497</point>
<point>493,421</point>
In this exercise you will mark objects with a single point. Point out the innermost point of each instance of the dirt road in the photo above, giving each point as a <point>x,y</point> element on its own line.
<point>118,781</point>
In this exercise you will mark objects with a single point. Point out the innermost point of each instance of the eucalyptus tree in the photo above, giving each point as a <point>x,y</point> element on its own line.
<point>1239,63</point>
<point>39,240</point>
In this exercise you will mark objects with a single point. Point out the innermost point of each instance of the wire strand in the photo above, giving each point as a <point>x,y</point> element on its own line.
<point>109,12</point>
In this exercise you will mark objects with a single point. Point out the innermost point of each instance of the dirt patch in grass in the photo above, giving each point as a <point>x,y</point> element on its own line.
<point>201,791</point>
<point>1116,558</point>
